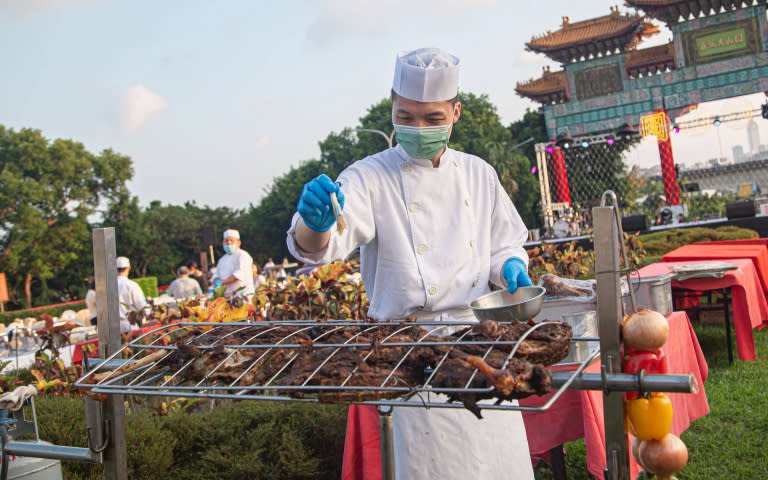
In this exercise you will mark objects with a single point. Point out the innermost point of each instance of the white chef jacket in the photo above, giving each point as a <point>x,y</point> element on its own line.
<point>128,293</point>
<point>430,240</point>
<point>239,264</point>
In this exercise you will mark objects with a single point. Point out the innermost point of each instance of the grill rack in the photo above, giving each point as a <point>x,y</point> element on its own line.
<point>153,379</point>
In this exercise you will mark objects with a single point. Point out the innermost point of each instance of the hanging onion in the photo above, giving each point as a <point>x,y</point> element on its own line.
<point>663,457</point>
<point>636,443</point>
<point>645,330</point>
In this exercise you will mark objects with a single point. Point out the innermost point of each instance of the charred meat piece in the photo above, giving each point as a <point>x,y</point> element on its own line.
<point>518,377</point>
<point>558,289</point>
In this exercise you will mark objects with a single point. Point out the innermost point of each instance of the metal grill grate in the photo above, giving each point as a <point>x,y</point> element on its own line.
<point>147,372</point>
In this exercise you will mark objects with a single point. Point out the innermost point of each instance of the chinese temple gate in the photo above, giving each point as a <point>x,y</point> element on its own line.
<point>719,50</point>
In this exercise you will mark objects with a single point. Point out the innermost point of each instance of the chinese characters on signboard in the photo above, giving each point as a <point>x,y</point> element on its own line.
<point>721,42</point>
<point>598,81</point>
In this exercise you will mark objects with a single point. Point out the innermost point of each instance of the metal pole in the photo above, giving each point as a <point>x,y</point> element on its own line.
<point>113,412</point>
<point>387,444</point>
<point>609,313</point>
<point>546,197</point>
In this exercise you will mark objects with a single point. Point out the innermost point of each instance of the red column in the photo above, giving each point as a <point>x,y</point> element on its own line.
<point>560,177</point>
<point>668,172</point>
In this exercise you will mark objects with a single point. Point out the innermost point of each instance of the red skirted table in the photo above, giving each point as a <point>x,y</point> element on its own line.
<point>750,308</point>
<point>575,415</point>
<point>758,254</point>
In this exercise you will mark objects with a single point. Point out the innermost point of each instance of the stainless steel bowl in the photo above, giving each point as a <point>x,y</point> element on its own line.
<point>503,306</point>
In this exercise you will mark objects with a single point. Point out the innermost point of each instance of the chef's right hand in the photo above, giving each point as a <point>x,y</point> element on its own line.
<point>315,205</point>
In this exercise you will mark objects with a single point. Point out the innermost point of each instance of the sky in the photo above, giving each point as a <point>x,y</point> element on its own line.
<point>213,100</point>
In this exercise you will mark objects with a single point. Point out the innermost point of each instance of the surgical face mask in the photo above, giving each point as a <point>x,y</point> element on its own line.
<point>230,248</point>
<point>422,142</point>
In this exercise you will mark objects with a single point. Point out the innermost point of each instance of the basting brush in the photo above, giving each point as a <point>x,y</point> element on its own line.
<point>340,223</point>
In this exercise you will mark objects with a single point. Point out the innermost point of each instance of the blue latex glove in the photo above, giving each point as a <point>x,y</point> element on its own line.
<point>315,203</point>
<point>515,273</point>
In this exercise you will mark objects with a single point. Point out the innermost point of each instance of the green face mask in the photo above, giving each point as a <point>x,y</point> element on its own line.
<point>422,142</point>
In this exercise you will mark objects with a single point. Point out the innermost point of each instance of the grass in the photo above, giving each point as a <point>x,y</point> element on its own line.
<point>730,442</point>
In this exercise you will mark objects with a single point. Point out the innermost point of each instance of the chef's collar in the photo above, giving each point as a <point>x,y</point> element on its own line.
<point>421,162</point>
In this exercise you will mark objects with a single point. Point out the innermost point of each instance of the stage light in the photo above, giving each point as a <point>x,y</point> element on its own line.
<point>765,110</point>
<point>534,170</point>
<point>716,122</point>
<point>585,144</point>
<point>676,127</point>
<point>550,149</point>
<point>610,141</point>
<point>564,140</point>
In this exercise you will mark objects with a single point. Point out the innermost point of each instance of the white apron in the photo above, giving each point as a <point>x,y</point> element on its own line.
<point>445,444</point>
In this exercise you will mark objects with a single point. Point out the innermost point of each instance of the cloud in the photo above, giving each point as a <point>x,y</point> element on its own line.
<point>31,8</point>
<point>136,106</point>
<point>340,19</point>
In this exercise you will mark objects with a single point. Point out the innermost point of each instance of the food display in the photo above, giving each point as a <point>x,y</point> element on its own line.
<point>557,288</point>
<point>385,360</point>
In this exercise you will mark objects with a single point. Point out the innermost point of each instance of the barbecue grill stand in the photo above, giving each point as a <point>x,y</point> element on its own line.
<point>153,379</point>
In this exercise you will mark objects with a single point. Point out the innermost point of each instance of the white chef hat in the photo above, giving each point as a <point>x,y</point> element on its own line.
<point>123,262</point>
<point>231,233</point>
<point>426,75</point>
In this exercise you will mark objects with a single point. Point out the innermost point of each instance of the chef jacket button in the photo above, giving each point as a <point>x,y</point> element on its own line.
<point>474,284</point>
<point>466,202</point>
<point>472,243</point>
<point>421,249</point>
<point>432,290</point>
<point>413,207</point>
<point>405,167</point>
<point>455,163</point>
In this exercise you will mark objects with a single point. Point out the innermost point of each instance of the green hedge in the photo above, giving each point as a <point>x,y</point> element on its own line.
<point>664,241</point>
<point>148,286</point>
<point>8,317</point>
<point>244,440</point>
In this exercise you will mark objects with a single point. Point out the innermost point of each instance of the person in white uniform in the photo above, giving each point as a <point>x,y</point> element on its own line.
<point>130,297</point>
<point>235,269</point>
<point>434,226</point>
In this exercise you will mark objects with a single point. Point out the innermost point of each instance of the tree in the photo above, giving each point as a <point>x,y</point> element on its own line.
<point>47,192</point>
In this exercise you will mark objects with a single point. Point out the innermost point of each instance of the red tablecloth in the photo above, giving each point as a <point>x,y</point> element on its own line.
<point>705,251</point>
<point>750,307</point>
<point>575,415</point>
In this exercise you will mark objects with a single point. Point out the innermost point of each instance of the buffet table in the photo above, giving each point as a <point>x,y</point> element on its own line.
<point>575,415</point>
<point>750,308</point>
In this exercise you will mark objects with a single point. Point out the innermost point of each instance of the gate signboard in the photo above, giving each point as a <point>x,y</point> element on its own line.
<point>721,42</point>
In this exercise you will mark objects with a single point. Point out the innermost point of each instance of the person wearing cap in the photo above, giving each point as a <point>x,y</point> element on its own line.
<point>130,297</point>
<point>235,269</point>
<point>434,226</point>
<point>183,286</point>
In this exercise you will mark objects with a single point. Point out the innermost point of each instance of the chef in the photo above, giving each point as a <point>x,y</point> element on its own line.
<point>235,269</point>
<point>434,226</point>
<point>129,296</point>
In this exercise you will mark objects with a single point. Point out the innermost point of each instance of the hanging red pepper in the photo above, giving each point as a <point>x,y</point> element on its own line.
<point>651,362</point>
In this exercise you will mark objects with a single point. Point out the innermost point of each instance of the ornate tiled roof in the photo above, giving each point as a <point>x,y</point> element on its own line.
<point>650,60</point>
<point>593,37</point>
<point>551,87</point>
<point>673,11</point>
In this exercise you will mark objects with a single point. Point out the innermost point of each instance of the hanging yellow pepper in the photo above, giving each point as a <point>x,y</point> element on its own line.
<point>650,418</point>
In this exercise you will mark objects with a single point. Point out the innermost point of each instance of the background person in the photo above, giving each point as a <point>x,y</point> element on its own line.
<point>90,300</point>
<point>235,269</point>
<point>258,278</point>
<point>197,275</point>
<point>129,295</point>
<point>183,286</point>
<point>434,226</point>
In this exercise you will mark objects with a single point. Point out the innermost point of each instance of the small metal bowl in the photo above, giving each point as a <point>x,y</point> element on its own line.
<point>503,306</point>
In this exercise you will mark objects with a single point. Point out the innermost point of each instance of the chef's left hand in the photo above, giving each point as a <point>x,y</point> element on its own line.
<point>515,273</point>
